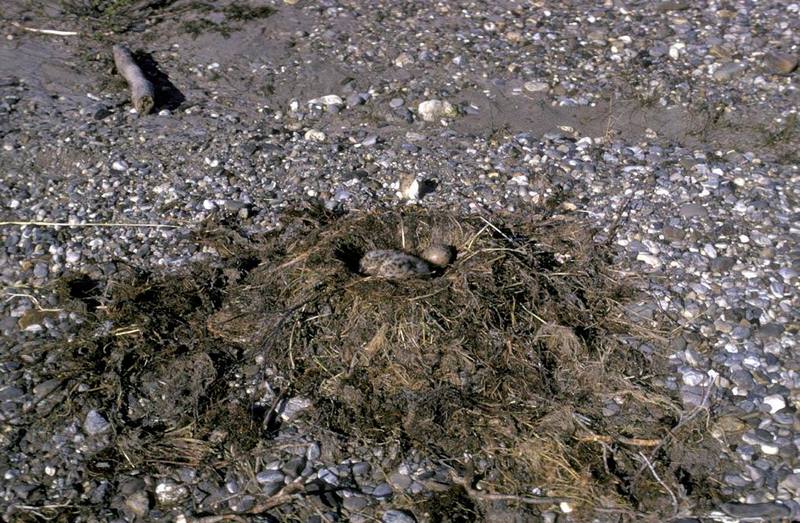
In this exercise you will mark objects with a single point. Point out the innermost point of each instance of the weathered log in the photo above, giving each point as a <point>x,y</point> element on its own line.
<point>142,92</point>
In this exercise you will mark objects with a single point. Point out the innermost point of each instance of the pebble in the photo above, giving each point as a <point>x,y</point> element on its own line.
<point>778,62</point>
<point>775,511</point>
<point>430,110</point>
<point>775,402</point>
<point>315,136</point>
<point>119,165</point>
<point>536,87</point>
<point>728,71</point>
<point>329,99</point>
<point>692,210</point>
<point>95,423</point>
<point>649,259</point>
<point>138,503</point>
<point>270,476</point>
<point>170,493</point>
<point>383,490</point>
<point>293,407</point>
<point>397,516</point>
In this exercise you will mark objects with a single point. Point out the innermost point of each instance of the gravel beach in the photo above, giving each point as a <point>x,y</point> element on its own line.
<point>669,128</point>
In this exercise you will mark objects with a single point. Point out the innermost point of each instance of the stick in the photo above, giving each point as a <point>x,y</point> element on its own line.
<point>655,475</point>
<point>45,31</point>
<point>486,496</point>
<point>142,92</point>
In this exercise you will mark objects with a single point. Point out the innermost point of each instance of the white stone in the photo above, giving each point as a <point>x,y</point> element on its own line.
<point>293,407</point>
<point>119,165</point>
<point>430,110</point>
<point>693,378</point>
<point>328,99</point>
<point>769,450</point>
<point>649,259</point>
<point>536,87</point>
<point>315,136</point>
<point>169,493</point>
<point>775,402</point>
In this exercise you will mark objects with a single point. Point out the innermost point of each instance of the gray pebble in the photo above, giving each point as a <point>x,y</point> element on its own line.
<point>398,516</point>
<point>95,423</point>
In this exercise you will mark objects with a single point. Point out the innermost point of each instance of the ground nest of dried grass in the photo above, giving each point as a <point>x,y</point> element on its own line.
<point>503,366</point>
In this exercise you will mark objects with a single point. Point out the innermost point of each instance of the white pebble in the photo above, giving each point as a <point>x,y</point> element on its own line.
<point>775,402</point>
<point>769,450</point>
<point>329,99</point>
<point>649,259</point>
<point>119,165</point>
<point>430,110</point>
<point>315,136</point>
<point>536,87</point>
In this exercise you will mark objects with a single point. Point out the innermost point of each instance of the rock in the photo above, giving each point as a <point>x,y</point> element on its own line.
<point>294,467</point>
<point>383,490</point>
<point>673,234</point>
<point>138,502</point>
<point>673,5</point>
<point>791,484</point>
<point>773,511</point>
<point>403,60</point>
<point>270,476</point>
<point>169,493</point>
<point>95,423</point>
<point>314,135</point>
<point>775,402</point>
<point>777,62</point>
<point>119,165</point>
<point>294,406</point>
<point>409,187</point>
<point>727,71</point>
<point>399,481</point>
<point>398,516</point>
<point>44,389</point>
<point>649,259</point>
<point>536,87</point>
<point>330,99</point>
<point>242,503</point>
<point>430,110</point>
<point>692,210</point>
<point>354,503</point>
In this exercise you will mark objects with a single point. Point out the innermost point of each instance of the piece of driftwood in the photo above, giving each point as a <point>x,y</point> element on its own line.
<point>142,93</point>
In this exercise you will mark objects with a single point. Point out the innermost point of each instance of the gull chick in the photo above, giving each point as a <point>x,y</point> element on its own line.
<point>397,265</point>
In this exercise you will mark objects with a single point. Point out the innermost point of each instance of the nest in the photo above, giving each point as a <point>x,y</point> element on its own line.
<point>499,366</point>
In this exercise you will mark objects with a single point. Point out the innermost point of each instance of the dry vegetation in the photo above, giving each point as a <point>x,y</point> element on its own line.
<point>498,368</point>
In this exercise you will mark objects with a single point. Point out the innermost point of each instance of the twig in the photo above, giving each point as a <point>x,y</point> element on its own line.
<point>91,224</point>
<point>45,31</point>
<point>142,93</point>
<point>655,475</point>
<point>285,495</point>
<point>32,299</point>
<point>637,442</point>
<point>486,496</point>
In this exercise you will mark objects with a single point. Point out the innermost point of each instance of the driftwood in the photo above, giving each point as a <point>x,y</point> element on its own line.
<point>142,93</point>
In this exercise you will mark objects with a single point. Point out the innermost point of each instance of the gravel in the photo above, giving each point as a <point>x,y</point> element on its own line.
<point>671,127</point>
